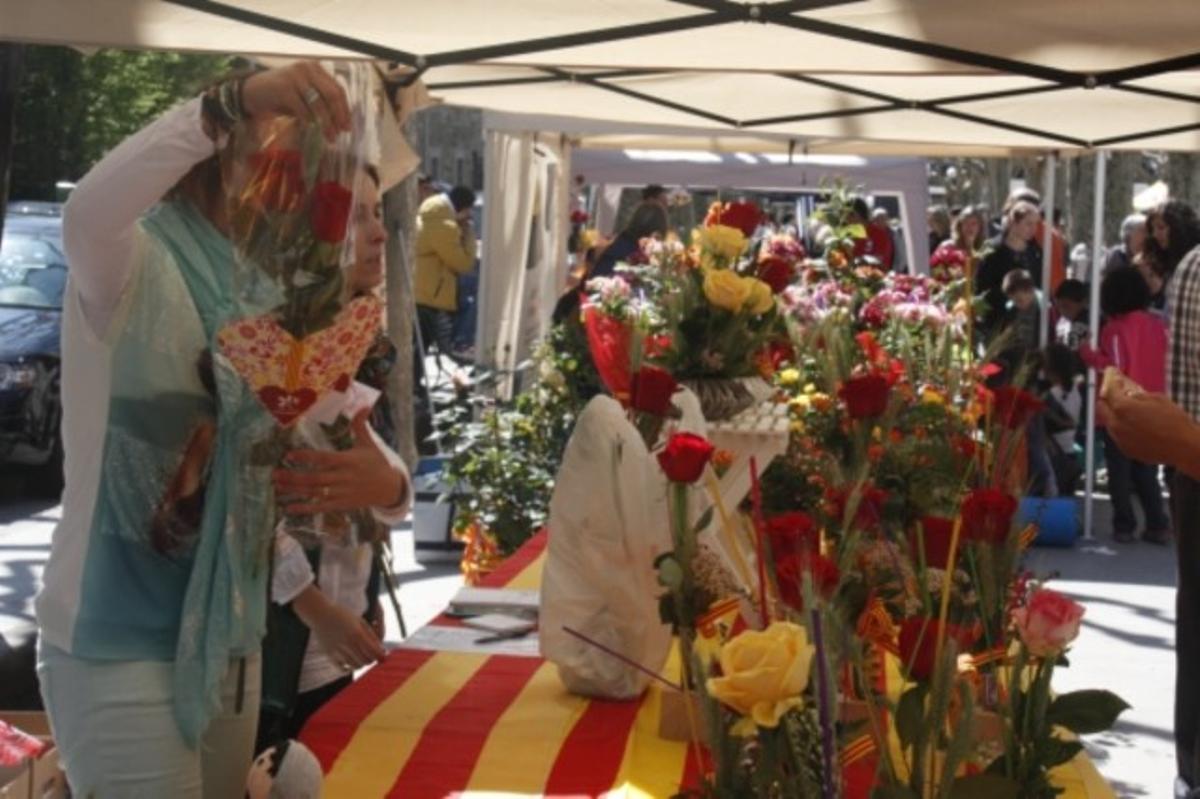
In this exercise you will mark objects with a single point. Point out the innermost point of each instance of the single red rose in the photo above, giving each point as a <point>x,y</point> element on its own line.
<point>987,515</point>
<point>789,576</point>
<point>791,533</point>
<point>918,645</point>
<point>579,217</point>
<point>330,214</point>
<point>965,446</point>
<point>278,181</point>
<point>936,532</point>
<point>776,273</point>
<point>1013,407</point>
<point>866,396</point>
<point>745,216</point>
<point>652,391</point>
<point>684,457</point>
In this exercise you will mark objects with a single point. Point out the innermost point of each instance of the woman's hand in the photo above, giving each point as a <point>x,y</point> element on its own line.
<point>346,638</point>
<point>1152,429</point>
<point>303,90</point>
<point>363,476</point>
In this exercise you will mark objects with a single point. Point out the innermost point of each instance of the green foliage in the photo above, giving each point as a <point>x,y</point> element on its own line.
<point>504,455</point>
<point>72,108</point>
<point>1084,712</point>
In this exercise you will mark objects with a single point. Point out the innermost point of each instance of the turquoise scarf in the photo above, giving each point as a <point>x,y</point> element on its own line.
<point>224,609</point>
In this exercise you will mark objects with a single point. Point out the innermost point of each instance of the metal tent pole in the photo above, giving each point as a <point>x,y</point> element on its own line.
<point>1089,511</point>
<point>1047,246</point>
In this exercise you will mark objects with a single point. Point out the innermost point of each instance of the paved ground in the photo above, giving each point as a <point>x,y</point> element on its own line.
<point>1127,643</point>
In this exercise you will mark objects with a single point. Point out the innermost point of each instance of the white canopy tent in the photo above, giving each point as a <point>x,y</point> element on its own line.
<point>914,77</point>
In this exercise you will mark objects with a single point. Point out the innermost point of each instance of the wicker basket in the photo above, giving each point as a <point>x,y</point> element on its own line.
<point>725,397</point>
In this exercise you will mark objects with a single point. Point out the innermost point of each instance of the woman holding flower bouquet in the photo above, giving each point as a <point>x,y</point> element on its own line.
<point>153,603</point>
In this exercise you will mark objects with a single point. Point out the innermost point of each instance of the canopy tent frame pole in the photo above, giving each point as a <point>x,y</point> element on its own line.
<point>720,12</point>
<point>1089,500</point>
<point>1047,246</point>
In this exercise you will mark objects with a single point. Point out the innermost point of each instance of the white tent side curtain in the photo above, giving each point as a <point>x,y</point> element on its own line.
<point>904,74</point>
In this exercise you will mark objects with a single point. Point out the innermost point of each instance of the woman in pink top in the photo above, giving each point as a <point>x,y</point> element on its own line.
<point>1134,341</point>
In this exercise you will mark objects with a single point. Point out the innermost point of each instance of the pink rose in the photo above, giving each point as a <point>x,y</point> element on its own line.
<point>1048,623</point>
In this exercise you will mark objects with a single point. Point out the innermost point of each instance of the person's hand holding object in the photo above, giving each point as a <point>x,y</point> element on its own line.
<point>1149,427</point>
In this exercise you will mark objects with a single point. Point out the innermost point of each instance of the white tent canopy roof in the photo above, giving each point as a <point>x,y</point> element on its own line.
<point>928,76</point>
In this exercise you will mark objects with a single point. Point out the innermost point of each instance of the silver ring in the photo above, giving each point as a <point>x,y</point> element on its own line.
<point>311,95</point>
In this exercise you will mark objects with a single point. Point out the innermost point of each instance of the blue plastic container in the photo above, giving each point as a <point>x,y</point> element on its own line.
<point>1057,520</point>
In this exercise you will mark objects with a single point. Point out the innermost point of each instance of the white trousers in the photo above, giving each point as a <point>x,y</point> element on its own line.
<point>115,729</point>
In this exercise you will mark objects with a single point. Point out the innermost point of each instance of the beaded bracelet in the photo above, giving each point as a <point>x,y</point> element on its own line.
<point>222,104</point>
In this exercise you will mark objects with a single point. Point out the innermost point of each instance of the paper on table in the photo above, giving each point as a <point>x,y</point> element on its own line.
<point>478,601</point>
<point>464,639</point>
<point>501,623</point>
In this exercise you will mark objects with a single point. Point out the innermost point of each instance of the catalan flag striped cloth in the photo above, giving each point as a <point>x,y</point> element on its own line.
<point>427,725</point>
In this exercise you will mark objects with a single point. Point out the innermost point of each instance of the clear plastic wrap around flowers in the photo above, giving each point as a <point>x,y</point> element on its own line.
<point>297,335</point>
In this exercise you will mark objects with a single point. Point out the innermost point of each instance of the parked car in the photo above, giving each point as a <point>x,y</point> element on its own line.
<point>33,275</point>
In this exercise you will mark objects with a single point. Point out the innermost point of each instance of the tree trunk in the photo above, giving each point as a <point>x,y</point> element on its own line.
<point>11,58</point>
<point>400,217</point>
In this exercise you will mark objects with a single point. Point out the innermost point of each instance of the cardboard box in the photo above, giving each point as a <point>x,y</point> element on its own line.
<point>37,778</point>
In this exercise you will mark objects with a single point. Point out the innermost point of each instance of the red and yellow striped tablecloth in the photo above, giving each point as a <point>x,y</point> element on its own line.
<point>425,725</point>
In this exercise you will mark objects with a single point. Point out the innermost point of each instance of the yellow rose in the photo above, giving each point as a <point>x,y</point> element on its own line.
<point>723,242</point>
<point>726,289</point>
<point>761,298</point>
<point>763,674</point>
<point>789,377</point>
<point>931,396</point>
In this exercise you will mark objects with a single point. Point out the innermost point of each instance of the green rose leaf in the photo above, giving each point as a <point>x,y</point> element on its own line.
<point>1055,751</point>
<point>1085,712</point>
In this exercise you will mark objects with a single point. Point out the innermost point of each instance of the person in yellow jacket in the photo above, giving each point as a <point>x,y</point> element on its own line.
<point>445,249</point>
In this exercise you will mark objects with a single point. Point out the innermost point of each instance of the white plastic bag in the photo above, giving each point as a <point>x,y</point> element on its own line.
<point>608,523</point>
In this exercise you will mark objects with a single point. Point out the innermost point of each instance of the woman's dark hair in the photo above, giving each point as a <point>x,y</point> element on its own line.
<point>1123,291</point>
<point>1184,225</point>
<point>1060,363</point>
<point>1071,289</point>
<point>462,198</point>
<point>649,219</point>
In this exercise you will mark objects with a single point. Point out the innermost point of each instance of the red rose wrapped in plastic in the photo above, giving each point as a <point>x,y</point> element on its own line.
<point>330,214</point>
<point>918,645</point>
<point>745,216</point>
<point>776,273</point>
<point>1013,407</point>
<point>935,532</point>
<point>278,181</point>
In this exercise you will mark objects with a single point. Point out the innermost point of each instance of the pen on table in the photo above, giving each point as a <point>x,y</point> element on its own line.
<point>491,639</point>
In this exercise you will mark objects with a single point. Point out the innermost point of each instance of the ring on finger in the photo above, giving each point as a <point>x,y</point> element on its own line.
<point>311,95</point>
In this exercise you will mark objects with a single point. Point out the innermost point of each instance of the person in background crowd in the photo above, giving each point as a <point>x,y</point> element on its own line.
<point>1152,272</point>
<point>1133,239</point>
<point>967,232</point>
<point>938,219</point>
<point>1173,230</point>
<point>1058,243</point>
<point>882,242</point>
<point>1135,342</point>
<point>656,194</point>
<point>1022,319</point>
<point>1080,266</point>
<point>1071,309</point>
<point>445,249</point>
<point>649,219</point>
<point>1064,407</point>
<point>1011,251</point>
